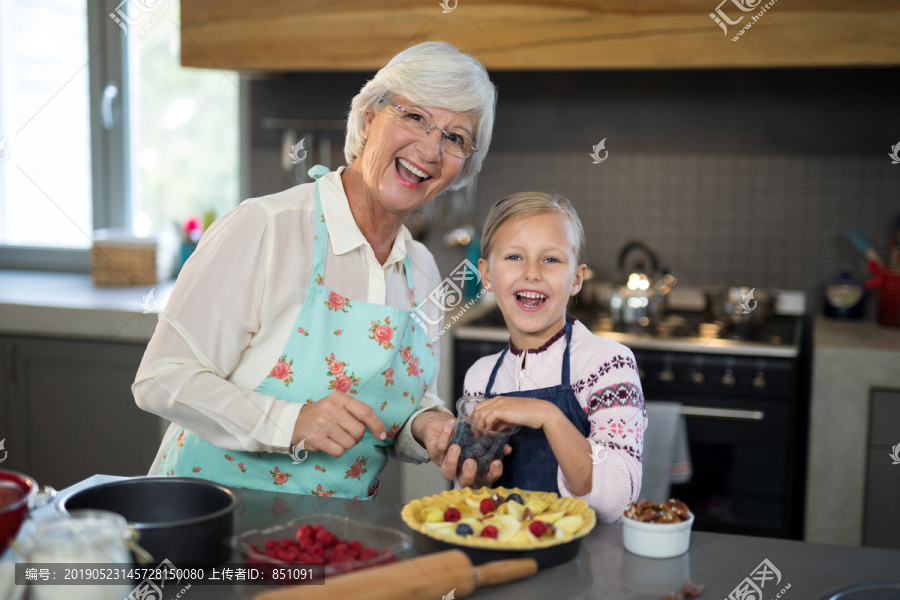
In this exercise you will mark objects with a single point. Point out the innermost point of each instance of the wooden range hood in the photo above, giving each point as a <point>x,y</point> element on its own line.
<point>362,35</point>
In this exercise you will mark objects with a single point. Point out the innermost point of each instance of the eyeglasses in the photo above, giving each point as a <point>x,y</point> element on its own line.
<point>457,144</point>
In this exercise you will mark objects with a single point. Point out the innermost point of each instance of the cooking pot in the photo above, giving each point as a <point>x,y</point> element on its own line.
<point>182,519</point>
<point>642,298</point>
<point>17,493</point>
<point>740,305</point>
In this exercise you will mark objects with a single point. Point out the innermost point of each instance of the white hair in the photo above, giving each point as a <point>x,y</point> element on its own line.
<point>431,74</point>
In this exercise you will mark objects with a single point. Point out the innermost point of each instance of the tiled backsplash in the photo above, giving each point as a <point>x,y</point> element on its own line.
<point>733,177</point>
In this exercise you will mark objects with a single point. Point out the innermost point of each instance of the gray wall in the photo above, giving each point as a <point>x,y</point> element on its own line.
<point>734,177</point>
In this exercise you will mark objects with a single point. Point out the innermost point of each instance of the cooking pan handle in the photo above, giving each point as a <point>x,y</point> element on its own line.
<point>638,245</point>
<point>723,413</point>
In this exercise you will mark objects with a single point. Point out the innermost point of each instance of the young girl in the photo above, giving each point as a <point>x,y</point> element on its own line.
<point>577,396</point>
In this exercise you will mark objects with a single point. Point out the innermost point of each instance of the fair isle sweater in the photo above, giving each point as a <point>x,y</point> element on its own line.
<point>605,379</point>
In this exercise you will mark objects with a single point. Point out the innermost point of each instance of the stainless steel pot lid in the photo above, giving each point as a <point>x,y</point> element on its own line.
<point>868,591</point>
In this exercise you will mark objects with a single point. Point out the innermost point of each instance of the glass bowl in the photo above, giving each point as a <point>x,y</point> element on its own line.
<point>482,445</point>
<point>391,544</point>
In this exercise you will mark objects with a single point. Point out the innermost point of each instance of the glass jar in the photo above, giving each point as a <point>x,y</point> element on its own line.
<point>86,537</point>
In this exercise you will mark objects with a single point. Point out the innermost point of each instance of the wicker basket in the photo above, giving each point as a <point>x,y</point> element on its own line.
<point>121,259</point>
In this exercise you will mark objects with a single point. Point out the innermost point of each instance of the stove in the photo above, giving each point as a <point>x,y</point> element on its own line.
<point>744,391</point>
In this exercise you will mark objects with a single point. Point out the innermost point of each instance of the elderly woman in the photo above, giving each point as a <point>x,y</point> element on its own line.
<point>292,324</point>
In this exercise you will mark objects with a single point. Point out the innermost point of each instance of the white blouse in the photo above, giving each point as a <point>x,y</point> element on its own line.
<point>604,377</point>
<point>234,304</point>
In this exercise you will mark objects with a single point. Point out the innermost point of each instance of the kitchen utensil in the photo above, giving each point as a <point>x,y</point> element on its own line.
<point>83,537</point>
<point>863,245</point>
<point>740,305</point>
<point>419,578</point>
<point>641,299</point>
<point>843,298</point>
<point>889,298</point>
<point>657,540</point>
<point>866,591</point>
<point>345,528</point>
<point>182,519</point>
<point>482,445</point>
<point>17,491</point>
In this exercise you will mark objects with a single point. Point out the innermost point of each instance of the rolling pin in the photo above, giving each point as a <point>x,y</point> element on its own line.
<point>422,578</point>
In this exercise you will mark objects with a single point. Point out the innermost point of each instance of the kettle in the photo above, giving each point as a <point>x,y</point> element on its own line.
<point>642,297</point>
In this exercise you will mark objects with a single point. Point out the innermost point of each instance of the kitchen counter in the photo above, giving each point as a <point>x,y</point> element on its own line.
<point>604,569</point>
<point>70,305</point>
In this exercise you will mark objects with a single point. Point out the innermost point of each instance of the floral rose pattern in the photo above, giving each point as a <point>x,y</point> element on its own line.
<point>384,405</point>
<point>242,467</point>
<point>282,370</point>
<point>303,331</point>
<point>338,332</point>
<point>229,458</point>
<point>412,369</point>
<point>197,469</point>
<point>279,507</point>
<point>336,302</point>
<point>320,468</point>
<point>342,382</point>
<point>358,468</point>
<point>373,488</point>
<point>319,491</point>
<point>383,334</point>
<point>279,477</point>
<point>319,279</point>
<point>388,377</point>
<point>392,432</point>
<point>180,440</point>
<point>405,354</point>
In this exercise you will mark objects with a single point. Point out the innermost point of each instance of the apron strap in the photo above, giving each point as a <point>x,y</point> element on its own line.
<point>564,376</point>
<point>321,244</point>
<point>490,384</point>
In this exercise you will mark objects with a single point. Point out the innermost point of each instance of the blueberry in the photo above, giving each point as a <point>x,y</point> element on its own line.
<point>515,497</point>
<point>464,529</point>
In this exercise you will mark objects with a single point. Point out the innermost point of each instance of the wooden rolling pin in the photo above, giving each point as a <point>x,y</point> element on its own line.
<point>421,578</point>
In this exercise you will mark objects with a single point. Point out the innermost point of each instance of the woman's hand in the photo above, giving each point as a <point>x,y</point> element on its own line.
<point>335,423</point>
<point>500,411</point>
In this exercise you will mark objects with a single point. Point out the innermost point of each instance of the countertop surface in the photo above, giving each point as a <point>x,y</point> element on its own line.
<point>859,335</point>
<point>603,568</point>
<point>70,305</point>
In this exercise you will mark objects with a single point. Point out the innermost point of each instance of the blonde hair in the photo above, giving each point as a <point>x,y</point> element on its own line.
<point>429,74</point>
<point>524,204</point>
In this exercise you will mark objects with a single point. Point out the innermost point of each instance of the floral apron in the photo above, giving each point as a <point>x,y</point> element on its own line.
<point>373,352</point>
<point>532,465</point>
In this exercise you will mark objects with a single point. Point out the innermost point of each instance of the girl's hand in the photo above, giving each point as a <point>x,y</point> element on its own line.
<point>497,412</point>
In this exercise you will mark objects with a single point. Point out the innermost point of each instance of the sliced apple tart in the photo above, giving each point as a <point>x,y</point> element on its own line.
<point>500,518</point>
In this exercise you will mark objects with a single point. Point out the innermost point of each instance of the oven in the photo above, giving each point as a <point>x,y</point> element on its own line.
<point>744,395</point>
<point>746,433</point>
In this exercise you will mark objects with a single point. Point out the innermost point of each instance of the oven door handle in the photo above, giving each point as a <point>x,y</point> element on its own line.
<point>723,413</point>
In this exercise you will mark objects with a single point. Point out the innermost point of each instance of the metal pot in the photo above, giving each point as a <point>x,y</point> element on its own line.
<point>182,519</point>
<point>642,298</point>
<point>740,305</point>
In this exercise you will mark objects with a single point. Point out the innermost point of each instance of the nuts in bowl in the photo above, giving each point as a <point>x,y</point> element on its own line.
<point>657,530</point>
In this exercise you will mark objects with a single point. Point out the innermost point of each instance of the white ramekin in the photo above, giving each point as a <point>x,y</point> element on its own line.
<point>657,540</point>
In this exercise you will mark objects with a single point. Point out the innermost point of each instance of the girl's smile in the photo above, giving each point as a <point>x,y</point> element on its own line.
<point>533,270</point>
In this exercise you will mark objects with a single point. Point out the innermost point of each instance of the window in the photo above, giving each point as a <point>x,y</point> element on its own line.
<point>100,127</point>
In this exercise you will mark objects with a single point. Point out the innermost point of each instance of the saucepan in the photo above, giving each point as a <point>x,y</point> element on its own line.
<point>182,519</point>
<point>740,305</point>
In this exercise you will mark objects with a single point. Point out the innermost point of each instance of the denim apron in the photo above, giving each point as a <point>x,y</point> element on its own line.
<point>532,464</point>
<point>373,352</point>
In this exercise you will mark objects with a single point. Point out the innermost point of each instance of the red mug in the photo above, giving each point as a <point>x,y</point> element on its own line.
<point>15,502</point>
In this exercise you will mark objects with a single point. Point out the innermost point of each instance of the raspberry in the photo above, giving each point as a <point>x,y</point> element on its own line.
<point>489,532</point>
<point>488,505</point>
<point>537,528</point>
<point>451,515</point>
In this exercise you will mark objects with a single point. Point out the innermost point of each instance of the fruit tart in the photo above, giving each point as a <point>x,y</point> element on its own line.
<point>500,518</point>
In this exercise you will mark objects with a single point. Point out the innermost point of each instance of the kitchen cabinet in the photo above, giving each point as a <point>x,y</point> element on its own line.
<point>883,477</point>
<point>68,411</point>
<point>361,35</point>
